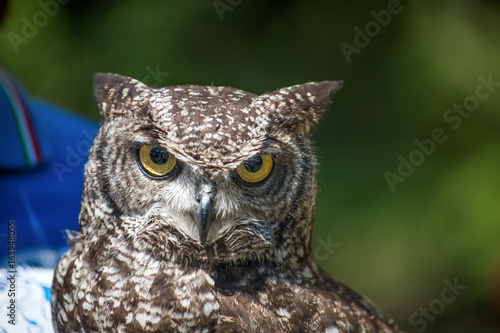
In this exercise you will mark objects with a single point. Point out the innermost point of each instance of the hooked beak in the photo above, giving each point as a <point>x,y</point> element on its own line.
<point>204,216</point>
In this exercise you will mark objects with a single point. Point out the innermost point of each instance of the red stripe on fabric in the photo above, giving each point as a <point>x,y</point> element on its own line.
<point>27,119</point>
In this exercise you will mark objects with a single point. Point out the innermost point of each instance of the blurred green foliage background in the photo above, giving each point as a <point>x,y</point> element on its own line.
<point>397,247</point>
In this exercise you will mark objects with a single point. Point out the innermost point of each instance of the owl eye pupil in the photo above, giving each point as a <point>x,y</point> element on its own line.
<point>158,155</point>
<point>156,161</point>
<point>255,169</point>
<point>253,164</point>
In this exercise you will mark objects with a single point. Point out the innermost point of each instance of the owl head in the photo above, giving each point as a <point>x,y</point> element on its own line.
<point>202,172</point>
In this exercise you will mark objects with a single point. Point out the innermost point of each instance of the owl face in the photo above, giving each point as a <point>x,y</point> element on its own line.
<point>206,167</point>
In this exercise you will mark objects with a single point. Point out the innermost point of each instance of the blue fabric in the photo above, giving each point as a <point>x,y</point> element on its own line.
<point>46,200</point>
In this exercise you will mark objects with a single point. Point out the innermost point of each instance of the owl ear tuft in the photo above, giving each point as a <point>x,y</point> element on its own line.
<point>115,93</point>
<point>300,106</point>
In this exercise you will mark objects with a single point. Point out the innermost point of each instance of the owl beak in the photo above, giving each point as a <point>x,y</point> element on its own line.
<point>204,215</point>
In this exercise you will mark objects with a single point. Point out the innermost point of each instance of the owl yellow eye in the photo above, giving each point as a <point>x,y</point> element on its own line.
<point>156,161</point>
<point>256,169</point>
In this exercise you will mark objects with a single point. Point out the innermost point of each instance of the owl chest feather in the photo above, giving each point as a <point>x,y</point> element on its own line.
<point>133,292</point>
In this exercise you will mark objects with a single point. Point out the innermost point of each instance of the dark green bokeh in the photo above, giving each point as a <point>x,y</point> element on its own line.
<point>396,247</point>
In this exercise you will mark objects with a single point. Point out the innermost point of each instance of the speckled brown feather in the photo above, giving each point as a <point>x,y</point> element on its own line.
<point>138,266</point>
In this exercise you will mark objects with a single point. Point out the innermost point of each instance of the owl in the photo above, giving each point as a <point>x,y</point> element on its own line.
<point>196,216</point>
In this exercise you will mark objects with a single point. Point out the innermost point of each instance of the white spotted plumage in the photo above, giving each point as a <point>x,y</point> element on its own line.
<point>142,263</point>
